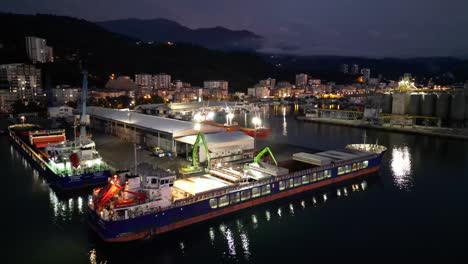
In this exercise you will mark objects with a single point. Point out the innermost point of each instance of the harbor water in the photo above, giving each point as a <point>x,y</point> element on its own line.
<point>415,208</point>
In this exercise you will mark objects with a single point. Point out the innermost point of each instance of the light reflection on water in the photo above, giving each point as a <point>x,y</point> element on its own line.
<point>235,235</point>
<point>401,167</point>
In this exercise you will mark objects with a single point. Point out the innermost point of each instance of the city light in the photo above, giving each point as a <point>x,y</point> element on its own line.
<point>210,115</point>
<point>256,121</point>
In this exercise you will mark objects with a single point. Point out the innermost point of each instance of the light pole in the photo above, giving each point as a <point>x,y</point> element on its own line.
<point>256,122</point>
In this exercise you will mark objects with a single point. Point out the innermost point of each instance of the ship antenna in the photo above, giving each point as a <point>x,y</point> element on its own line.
<point>135,153</point>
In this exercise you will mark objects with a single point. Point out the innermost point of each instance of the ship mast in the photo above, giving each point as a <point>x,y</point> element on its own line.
<point>84,97</point>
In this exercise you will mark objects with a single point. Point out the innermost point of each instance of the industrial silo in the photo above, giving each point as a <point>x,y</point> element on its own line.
<point>414,106</point>
<point>387,103</point>
<point>457,107</point>
<point>400,103</point>
<point>466,108</point>
<point>428,104</point>
<point>443,105</point>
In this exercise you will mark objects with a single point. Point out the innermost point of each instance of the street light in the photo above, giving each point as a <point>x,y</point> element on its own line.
<point>22,120</point>
<point>257,122</point>
<point>230,116</point>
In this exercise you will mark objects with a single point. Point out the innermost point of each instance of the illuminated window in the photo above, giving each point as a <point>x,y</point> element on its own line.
<point>341,170</point>
<point>327,173</point>
<point>291,183</point>
<point>223,201</point>
<point>348,168</point>
<point>266,189</point>
<point>305,179</point>
<point>319,175</point>
<point>245,195</point>
<point>313,177</point>
<point>297,181</point>
<point>214,203</point>
<point>282,185</point>
<point>365,164</point>
<point>255,192</point>
<point>355,167</point>
<point>235,198</point>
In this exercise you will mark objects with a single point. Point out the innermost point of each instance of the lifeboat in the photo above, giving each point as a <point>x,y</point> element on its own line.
<point>124,202</point>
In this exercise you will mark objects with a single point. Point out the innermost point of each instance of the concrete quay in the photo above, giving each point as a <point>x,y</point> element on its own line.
<point>455,133</point>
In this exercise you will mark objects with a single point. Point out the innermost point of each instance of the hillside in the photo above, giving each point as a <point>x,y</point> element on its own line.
<point>163,30</point>
<point>104,52</point>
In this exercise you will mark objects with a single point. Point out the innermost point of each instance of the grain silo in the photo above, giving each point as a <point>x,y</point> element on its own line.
<point>414,106</point>
<point>443,105</point>
<point>400,103</point>
<point>428,104</point>
<point>457,107</point>
<point>387,103</point>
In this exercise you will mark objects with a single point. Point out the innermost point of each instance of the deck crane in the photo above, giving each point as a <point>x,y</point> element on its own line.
<point>107,192</point>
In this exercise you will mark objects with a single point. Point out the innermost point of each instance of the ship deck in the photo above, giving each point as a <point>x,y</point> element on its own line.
<point>295,165</point>
<point>199,184</point>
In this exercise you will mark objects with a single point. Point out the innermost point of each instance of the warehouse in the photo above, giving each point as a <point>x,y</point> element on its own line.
<point>144,129</point>
<point>223,146</point>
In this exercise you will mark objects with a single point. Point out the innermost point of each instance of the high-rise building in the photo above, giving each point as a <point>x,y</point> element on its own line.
<point>345,68</point>
<point>270,83</point>
<point>162,81</point>
<point>365,74</point>
<point>63,94</point>
<point>144,80</point>
<point>301,79</point>
<point>38,51</point>
<point>20,81</point>
<point>217,87</point>
<point>355,69</point>
<point>258,91</point>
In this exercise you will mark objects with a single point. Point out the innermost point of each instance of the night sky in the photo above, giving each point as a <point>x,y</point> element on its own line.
<point>374,28</point>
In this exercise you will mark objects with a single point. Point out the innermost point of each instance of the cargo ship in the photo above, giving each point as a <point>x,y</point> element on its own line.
<point>64,163</point>
<point>152,201</point>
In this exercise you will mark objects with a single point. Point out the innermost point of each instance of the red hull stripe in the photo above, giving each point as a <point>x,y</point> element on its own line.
<point>233,208</point>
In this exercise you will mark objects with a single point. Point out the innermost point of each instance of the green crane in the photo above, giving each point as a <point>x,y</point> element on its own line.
<point>261,153</point>
<point>200,137</point>
<point>195,161</point>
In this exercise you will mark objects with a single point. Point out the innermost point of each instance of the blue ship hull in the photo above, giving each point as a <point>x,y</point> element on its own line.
<point>59,183</point>
<point>195,212</point>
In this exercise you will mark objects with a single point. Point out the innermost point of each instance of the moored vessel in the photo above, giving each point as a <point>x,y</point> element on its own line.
<point>153,201</point>
<point>64,163</point>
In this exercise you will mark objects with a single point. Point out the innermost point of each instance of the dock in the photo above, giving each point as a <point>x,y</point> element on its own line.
<point>454,133</point>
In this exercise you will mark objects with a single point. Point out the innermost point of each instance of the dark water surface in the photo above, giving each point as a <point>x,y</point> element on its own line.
<point>417,207</point>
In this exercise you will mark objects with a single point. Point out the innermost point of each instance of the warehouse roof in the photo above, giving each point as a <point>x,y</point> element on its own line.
<point>172,126</point>
<point>215,138</point>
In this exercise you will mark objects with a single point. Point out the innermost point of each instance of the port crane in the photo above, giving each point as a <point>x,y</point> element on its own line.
<point>195,167</point>
<point>263,152</point>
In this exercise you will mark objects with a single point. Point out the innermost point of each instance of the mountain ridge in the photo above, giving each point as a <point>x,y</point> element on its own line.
<point>163,30</point>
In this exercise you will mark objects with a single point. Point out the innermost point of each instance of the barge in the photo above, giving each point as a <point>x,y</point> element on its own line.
<point>152,201</point>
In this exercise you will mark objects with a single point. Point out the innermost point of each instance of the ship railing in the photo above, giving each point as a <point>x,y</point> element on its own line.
<point>223,191</point>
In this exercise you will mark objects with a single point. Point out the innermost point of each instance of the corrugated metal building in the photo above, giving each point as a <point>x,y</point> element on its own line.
<point>145,129</point>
